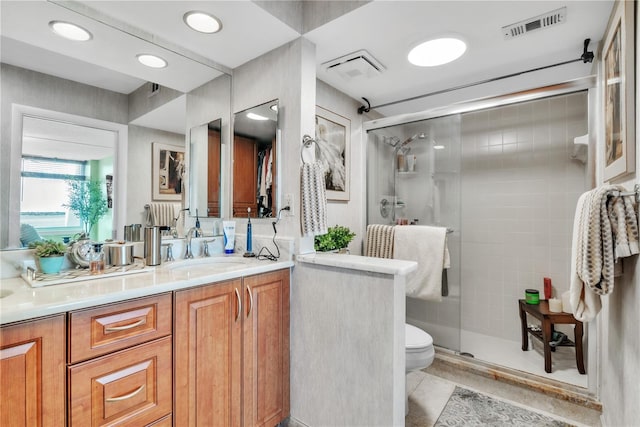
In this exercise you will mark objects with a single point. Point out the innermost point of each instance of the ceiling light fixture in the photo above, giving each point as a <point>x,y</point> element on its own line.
<point>202,22</point>
<point>70,31</point>
<point>152,61</point>
<point>437,52</point>
<point>254,116</point>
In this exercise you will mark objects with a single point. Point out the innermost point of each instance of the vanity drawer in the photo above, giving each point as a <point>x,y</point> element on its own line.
<point>98,331</point>
<point>131,387</point>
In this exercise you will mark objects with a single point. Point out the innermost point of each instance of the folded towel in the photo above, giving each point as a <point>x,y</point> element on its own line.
<point>427,246</point>
<point>313,200</point>
<point>163,213</point>
<point>380,241</point>
<point>605,230</point>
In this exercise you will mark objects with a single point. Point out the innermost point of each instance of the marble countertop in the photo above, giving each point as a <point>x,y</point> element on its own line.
<point>19,301</point>
<point>360,263</point>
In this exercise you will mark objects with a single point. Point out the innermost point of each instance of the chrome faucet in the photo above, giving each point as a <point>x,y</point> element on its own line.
<point>206,247</point>
<point>188,254</point>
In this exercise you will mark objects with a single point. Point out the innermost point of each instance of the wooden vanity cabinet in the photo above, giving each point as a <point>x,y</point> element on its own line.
<point>32,373</point>
<point>121,363</point>
<point>231,343</point>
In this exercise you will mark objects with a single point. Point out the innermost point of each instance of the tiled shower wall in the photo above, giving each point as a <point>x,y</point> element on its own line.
<point>519,190</point>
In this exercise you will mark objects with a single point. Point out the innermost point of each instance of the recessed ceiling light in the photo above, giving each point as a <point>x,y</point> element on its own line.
<point>254,116</point>
<point>70,31</point>
<point>202,22</point>
<point>437,52</point>
<point>438,147</point>
<point>152,61</point>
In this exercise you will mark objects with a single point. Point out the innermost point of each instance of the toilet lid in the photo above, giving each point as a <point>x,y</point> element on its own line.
<point>416,337</point>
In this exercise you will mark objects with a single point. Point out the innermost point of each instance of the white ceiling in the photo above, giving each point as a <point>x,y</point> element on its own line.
<point>387,29</point>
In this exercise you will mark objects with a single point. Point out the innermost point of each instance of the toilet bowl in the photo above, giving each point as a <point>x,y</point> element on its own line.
<point>419,353</point>
<point>418,348</point>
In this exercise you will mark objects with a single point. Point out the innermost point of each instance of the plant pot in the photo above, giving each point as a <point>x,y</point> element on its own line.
<point>51,264</point>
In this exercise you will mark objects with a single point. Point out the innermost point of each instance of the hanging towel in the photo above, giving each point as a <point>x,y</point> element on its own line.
<point>605,230</point>
<point>313,200</point>
<point>427,246</point>
<point>380,240</point>
<point>163,213</point>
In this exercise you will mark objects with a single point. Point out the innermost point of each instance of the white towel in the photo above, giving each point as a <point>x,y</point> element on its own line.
<point>163,213</point>
<point>313,200</point>
<point>585,303</point>
<point>426,245</point>
<point>380,240</point>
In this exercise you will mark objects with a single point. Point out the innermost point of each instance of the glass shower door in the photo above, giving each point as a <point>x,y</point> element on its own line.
<point>413,177</point>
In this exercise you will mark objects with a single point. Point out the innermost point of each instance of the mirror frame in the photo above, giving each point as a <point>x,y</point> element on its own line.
<point>18,112</point>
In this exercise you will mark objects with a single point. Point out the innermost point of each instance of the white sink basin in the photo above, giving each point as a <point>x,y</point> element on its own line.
<point>203,266</point>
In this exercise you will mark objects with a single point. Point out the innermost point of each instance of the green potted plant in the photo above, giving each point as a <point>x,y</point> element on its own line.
<point>50,255</point>
<point>337,239</point>
<point>87,202</point>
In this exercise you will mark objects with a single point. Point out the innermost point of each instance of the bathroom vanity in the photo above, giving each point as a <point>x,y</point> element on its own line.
<point>200,341</point>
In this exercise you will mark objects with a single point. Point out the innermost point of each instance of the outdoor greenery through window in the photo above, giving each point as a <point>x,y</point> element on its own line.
<point>45,190</point>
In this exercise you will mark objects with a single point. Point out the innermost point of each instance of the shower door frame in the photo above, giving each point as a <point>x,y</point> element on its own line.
<point>588,83</point>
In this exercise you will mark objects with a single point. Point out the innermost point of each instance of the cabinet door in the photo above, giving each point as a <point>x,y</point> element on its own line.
<point>131,387</point>
<point>32,373</point>
<point>207,334</point>
<point>266,349</point>
<point>245,176</point>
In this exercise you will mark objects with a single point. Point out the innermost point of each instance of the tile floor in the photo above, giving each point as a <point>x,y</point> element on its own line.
<point>430,390</point>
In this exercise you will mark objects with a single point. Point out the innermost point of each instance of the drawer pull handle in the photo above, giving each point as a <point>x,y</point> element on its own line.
<point>126,396</point>
<point>250,301</point>
<point>125,327</point>
<point>239,304</point>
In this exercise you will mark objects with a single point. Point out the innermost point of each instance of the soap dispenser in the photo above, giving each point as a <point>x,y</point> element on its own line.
<point>249,253</point>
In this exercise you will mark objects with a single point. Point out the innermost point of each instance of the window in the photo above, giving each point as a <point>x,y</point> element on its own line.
<point>44,192</point>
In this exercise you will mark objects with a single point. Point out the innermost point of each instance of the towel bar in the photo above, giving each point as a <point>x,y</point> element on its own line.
<point>307,142</point>
<point>635,192</point>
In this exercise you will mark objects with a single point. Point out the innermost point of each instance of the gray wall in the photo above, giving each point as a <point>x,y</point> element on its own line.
<point>25,87</point>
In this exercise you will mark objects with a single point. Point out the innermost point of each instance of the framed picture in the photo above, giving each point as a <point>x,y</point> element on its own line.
<point>167,168</point>
<point>333,137</point>
<point>618,75</point>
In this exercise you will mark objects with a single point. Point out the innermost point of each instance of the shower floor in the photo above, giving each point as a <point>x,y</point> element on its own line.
<point>509,354</point>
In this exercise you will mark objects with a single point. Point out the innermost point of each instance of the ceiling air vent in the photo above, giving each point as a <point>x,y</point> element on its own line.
<point>545,20</point>
<point>355,65</point>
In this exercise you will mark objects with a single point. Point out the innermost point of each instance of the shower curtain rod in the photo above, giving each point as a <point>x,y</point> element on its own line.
<point>586,57</point>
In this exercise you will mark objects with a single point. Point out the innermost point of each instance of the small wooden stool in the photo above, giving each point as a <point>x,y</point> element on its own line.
<point>548,319</point>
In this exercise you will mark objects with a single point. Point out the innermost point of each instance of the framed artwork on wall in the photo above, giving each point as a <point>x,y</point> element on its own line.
<point>167,168</point>
<point>333,139</point>
<point>618,75</point>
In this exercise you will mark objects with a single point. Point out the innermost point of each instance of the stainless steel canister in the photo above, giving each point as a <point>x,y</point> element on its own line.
<point>152,245</point>
<point>136,229</point>
<point>119,254</point>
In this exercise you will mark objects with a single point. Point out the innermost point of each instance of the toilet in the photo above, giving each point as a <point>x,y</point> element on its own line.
<point>419,353</point>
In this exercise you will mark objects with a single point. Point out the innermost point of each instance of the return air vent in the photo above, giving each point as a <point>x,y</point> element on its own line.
<point>545,20</point>
<point>355,65</point>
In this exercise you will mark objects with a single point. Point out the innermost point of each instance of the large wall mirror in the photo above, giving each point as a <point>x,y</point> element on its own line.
<point>255,150</point>
<point>96,87</point>
<point>205,146</point>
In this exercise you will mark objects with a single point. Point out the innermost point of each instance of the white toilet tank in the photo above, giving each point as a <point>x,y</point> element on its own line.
<point>418,348</point>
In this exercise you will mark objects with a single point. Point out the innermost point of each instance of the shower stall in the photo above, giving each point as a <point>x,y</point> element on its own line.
<point>504,180</point>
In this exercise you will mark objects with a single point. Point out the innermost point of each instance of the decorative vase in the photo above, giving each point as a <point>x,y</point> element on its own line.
<point>51,264</point>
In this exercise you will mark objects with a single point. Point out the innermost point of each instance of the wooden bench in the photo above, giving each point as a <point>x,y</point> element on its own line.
<point>548,319</point>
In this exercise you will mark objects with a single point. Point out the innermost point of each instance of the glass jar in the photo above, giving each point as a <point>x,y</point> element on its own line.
<point>96,259</point>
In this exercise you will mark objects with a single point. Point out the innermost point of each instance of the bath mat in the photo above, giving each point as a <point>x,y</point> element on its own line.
<point>470,408</point>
